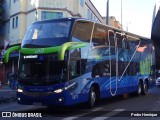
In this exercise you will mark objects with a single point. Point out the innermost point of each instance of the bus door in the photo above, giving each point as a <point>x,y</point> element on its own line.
<point>113,53</point>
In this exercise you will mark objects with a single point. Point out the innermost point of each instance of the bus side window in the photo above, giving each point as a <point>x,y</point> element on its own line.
<point>101,69</point>
<point>82,30</point>
<point>99,35</point>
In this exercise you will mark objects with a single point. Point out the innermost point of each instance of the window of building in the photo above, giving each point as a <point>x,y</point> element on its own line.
<point>8,29</point>
<point>15,22</point>
<point>89,14</point>
<point>12,22</point>
<point>45,15</point>
<point>95,19</point>
<point>82,3</point>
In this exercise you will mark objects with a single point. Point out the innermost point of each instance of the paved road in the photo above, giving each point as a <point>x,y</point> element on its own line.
<point>117,108</point>
<point>7,95</point>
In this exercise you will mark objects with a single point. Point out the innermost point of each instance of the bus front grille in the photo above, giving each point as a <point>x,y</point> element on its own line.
<point>37,94</point>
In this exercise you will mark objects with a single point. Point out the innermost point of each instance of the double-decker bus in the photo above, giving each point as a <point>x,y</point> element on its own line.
<point>73,60</point>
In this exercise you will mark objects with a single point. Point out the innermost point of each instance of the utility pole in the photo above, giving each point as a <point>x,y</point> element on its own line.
<point>121,15</point>
<point>107,12</point>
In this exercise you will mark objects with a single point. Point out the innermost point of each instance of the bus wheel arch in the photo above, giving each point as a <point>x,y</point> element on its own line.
<point>94,95</point>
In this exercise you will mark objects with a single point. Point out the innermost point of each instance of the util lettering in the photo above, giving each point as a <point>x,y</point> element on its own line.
<point>41,50</point>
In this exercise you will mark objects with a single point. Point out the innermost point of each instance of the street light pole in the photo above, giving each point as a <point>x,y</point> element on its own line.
<point>107,12</point>
<point>121,14</point>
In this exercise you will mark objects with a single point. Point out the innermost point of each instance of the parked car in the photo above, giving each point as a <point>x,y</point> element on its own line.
<point>158,81</point>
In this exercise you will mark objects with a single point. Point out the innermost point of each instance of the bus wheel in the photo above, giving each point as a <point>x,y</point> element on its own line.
<point>92,97</point>
<point>145,88</point>
<point>139,92</point>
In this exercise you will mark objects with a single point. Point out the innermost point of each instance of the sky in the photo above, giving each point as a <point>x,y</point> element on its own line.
<point>136,14</point>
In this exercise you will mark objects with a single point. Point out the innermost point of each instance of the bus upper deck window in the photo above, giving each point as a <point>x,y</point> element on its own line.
<point>82,30</point>
<point>100,35</point>
<point>48,30</point>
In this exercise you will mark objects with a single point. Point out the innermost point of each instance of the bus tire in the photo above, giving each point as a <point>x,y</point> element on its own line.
<point>140,87</point>
<point>92,97</point>
<point>145,88</point>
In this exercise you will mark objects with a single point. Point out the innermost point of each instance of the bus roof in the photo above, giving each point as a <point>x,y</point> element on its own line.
<point>75,19</point>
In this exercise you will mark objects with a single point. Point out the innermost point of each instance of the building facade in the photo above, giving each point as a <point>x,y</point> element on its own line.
<point>19,14</point>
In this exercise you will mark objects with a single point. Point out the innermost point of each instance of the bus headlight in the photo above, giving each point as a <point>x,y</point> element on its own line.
<point>20,90</point>
<point>65,88</point>
<point>58,90</point>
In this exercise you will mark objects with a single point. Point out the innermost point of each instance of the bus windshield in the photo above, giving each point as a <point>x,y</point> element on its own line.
<point>42,69</point>
<point>49,30</point>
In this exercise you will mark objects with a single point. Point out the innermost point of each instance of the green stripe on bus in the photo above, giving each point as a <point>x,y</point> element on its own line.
<point>69,46</point>
<point>9,50</point>
<point>58,49</point>
<point>46,50</point>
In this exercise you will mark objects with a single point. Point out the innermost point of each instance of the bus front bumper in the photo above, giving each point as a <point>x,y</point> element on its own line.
<point>44,99</point>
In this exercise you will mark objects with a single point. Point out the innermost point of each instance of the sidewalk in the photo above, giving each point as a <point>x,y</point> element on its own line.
<point>7,94</point>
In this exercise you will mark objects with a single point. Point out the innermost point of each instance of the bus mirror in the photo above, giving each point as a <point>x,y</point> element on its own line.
<point>9,50</point>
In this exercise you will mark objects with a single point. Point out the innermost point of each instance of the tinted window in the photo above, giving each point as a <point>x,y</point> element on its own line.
<point>48,30</point>
<point>82,30</point>
<point>40,69</point>
<point>100,35</point>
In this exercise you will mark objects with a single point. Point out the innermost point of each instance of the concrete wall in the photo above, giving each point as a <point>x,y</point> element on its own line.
<point>53,3</point>
<point>22,26</point>
<point>30,18</point>
<point>15,7</point>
